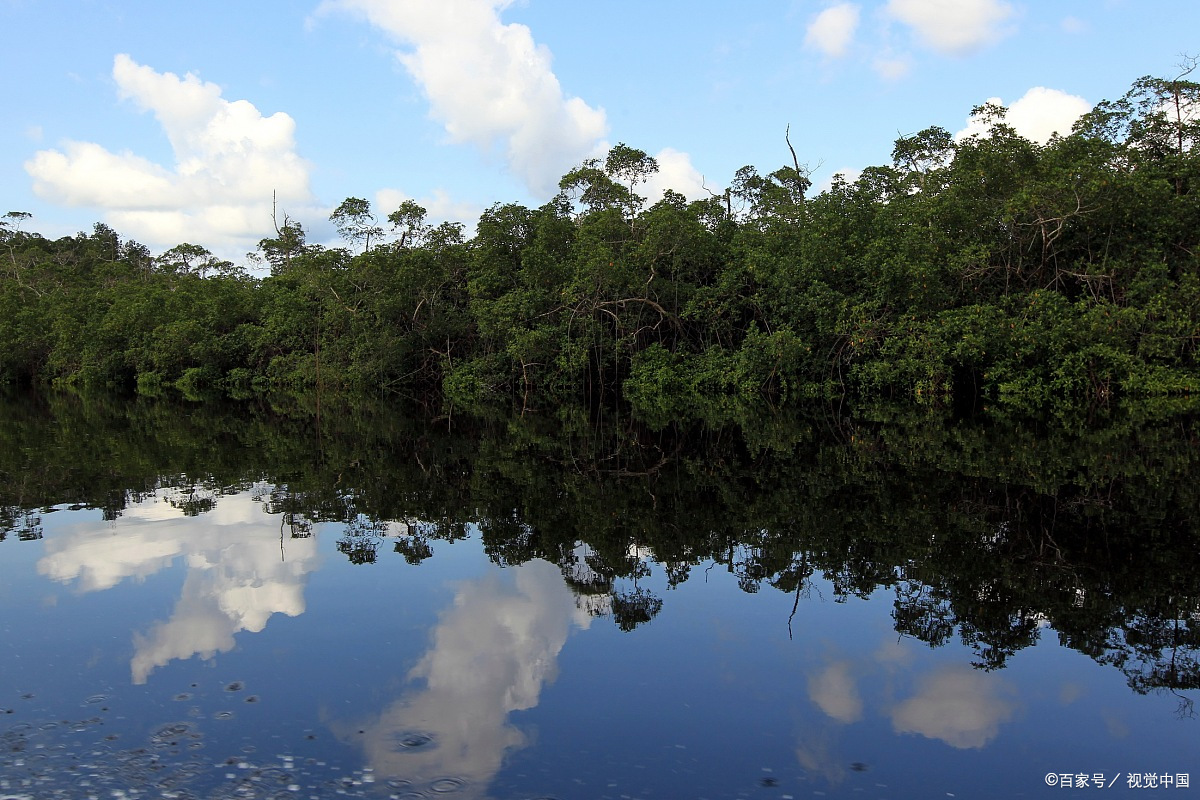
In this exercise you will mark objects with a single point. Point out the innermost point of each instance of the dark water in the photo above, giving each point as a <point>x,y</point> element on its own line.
<point>200,602</point>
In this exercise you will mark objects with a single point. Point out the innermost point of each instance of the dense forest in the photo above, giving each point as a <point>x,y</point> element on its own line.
<point>991,269</point>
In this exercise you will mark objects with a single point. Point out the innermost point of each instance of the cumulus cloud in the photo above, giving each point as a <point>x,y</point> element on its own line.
<point>953,27</point>
<point>229,159</point>
<point>1038,115</point>
<point>960,706</point>
<point>832,30</point>
<point>675,172</point>
<point>489,83</point>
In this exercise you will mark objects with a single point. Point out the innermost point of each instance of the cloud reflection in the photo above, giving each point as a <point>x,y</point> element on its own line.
<point>834,691</point>
<point>957,704</point>
<point>238,573</point>
<point>492,652</point>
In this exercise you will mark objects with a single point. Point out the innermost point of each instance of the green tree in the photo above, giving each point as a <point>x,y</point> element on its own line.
<point>355,223</point>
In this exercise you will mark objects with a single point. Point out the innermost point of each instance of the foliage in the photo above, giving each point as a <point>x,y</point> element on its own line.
<point>993,270</point>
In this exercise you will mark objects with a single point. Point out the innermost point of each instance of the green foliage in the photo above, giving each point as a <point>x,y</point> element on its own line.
<point>992,269</point>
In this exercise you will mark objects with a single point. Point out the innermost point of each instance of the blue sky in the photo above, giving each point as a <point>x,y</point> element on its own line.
<point>176,122</point>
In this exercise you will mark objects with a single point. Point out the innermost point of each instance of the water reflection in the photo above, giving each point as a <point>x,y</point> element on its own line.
<point>493,650</point>
<point>240,571</point>
<point>834,691</point>
<point>1062,563</point>
<point>960,706</point>
<point>954,703</point>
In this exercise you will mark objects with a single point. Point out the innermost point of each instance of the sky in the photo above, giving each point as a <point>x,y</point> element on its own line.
<point>208,122</point>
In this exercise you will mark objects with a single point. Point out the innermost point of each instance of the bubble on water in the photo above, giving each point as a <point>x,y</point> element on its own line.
<point>223,715</point>
<point>95,699</point>
<point>412,740</point>
<point>182,696</point>
<point>448,785</point>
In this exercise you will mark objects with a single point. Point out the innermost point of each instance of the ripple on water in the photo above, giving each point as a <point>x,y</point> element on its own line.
<point>408,741</point>
<point>172,732</point>
<point>235,686</point>
<point>448,785</point>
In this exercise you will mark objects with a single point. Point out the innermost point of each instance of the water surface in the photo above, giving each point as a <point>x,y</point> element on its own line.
<point>385,608</point>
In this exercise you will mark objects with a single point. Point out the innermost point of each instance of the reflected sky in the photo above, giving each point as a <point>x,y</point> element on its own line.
<point>492,651</point>
<point>239,572</point>
<point>436,677</point>
<point>957,704</point>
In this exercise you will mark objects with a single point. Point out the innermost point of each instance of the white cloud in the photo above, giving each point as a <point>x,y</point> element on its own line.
<point>1038,115</point>
<point>675,172</point>
<point>833,29</point>
<point>959,705</point>
<point>489,83</point>
<point>229,159</point>
<point>892,69</point>
<point>953,27</point>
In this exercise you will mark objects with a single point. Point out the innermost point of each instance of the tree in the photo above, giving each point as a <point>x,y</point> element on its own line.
<point>630,167</point>
<point>289,243</point>
<point>921,155</point>
<point>409,221</point>
<point>355,223</point>
<point>589,185</point>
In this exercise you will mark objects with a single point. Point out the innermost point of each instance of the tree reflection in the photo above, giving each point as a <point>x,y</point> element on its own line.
<point>988,531</point>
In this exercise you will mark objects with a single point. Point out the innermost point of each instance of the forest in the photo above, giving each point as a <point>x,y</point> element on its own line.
<point>990,270</point>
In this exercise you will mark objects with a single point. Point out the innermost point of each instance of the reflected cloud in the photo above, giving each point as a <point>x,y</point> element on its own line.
<point>834,691</point>
<point>1069,692</point>
<point>238,575</point>
<point>895,653</point>
<point>816,753</point>
<point>1113,723</point>
<point>493,651</point>
<point>959,705</point>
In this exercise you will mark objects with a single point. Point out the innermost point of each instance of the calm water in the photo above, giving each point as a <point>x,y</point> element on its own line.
<point>392,610</point>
